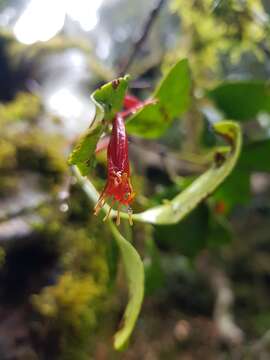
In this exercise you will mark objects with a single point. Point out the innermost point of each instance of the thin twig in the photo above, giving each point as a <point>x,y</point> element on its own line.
<point>143,36</point>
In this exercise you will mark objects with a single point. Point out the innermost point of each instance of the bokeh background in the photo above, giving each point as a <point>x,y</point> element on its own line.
<point>62,286</point>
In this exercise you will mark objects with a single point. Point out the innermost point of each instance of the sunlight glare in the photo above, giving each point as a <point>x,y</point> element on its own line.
<point>66,104</point>
<point>40,21</point>
<point>84,11</point>
<point>43,19</point>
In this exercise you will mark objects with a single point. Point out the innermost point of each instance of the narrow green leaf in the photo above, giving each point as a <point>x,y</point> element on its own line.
<point>108,100</point>
<point>135,277</point>
<point>175,210</point>
<point>242,100</point>
<point>173,96</point>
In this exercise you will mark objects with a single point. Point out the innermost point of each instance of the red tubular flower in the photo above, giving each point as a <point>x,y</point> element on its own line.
<point>131,105</point>
<point>118,187</point>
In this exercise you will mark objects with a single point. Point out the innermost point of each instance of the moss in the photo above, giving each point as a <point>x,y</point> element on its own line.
<point>40,151</point>
<point>70,307</point>
<point>8,185</point>
<point>34,150</point>
<point>24,107</point>
<point>79,205</point>
<point>68,301</point>
<point>29,147</point>
<point>7,154</point>
<point>85,255</point>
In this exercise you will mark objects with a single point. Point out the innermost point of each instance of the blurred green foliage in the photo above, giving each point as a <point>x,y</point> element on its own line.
<point>214,30</point>
<point>242,100</point>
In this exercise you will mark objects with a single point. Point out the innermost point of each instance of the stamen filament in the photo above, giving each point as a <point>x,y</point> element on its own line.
<point>130,217</point>
<point>100,204</point>
<point>118,215</point>
<point>109,212</point>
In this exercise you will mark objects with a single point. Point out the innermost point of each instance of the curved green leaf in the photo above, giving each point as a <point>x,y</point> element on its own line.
<point>173,95</point>
<point>224,161</point>
<point>108,100</point>
<point>135,277</point>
